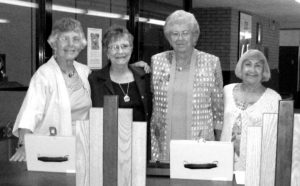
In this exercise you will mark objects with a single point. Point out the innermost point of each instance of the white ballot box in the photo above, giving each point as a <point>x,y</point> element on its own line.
<point>50,153</point>
<point>201,160</point>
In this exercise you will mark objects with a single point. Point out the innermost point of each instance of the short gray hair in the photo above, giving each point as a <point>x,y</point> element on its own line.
<point>253,54</point>
<point>180,17</point>
<point>66,24</point>
<point>115,32</point>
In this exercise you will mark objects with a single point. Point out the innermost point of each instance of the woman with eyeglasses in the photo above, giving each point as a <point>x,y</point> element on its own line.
<point>187,89</point>
<point>130,83</point>
<point>59,91</point>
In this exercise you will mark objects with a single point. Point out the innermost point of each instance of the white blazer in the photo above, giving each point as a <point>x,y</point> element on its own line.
<point>47,101</point>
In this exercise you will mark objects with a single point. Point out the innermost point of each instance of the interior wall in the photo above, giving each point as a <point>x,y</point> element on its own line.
<point>16,42</point>
<point>289,38</point>
<point>270,38</point>
<point>215,33</point>
<point>219,35</point>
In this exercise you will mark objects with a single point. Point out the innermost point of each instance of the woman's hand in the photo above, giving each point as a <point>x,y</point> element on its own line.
<point>20,154</point>
<point>144,65</point>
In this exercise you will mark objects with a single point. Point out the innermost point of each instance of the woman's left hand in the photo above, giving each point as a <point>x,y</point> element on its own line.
<point>144,65</point>
<point>20,154</point>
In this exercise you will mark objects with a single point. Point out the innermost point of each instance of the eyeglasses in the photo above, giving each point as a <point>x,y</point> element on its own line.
<point>66,39</point>
<point>118,47</point>
<point>183,34</point>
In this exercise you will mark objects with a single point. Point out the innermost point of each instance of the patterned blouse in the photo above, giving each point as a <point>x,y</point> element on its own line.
<point>204,100</point>
<point>238,117</point>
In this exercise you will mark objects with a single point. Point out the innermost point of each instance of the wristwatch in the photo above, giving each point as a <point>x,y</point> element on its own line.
<point>20,143</point>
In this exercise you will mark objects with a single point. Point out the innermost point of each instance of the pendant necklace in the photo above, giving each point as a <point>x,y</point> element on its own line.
<point>182,66</point>
<point>70,74</point>
<point>126,97</point>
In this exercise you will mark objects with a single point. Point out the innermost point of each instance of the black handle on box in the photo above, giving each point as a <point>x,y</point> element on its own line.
<point>201,165</point>
<point>53,159</point>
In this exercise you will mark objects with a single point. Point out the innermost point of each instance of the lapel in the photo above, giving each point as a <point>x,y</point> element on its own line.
<point>105,77</point>
<point>141,83</point>
<point>139,76</point>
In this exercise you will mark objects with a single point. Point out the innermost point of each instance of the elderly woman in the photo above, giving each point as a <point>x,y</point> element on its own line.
<point>131,84</point>
<point>246,102</point>
<point>59,92</point>
<point>187,86</point>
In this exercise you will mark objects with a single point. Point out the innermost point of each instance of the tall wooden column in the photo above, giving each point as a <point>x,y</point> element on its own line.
<point>110,142</point>
<point>284,143</point>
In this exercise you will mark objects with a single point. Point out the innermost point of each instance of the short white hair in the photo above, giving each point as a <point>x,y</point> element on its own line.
<point>181,17</point>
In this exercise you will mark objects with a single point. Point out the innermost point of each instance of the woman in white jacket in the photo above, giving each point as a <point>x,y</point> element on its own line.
<point>59,92</point>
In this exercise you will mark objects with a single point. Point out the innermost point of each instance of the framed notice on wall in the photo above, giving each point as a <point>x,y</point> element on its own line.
<point>94,48</point>
<point>245,33</point>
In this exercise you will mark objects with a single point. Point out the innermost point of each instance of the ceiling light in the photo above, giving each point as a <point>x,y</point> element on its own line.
<point>4,21</point>
<point>143,19</point>
<point>151,21</point>
<point>156,22</point>
<point>68,9</point>
<point>125,17</point>
<point>19,3</point>
<point>103,14</point>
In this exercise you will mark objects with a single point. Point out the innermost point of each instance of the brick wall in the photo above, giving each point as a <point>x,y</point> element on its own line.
<point>215,32</point>
<point>219,28</point>
<point>270,38</point>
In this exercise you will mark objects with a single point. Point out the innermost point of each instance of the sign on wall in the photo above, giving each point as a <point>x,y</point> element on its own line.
<point>245,33</point>
<point>94,48</point>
